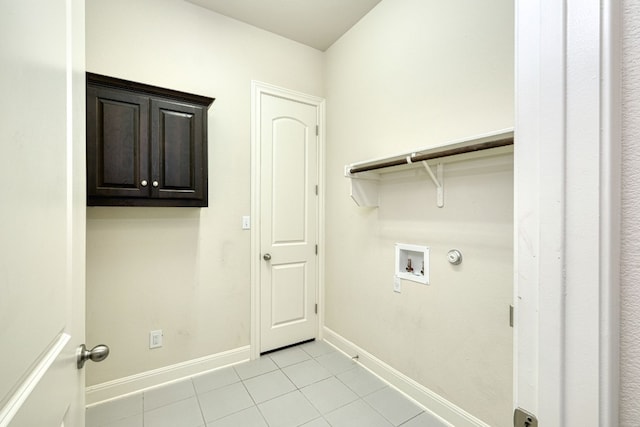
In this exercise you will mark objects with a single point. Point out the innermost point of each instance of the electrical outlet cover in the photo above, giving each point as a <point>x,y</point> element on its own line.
<point>155,339</point>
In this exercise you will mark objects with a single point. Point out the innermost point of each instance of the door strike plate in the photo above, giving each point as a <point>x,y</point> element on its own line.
<point>522,418</point>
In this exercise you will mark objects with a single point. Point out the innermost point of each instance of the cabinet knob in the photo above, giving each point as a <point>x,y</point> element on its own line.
<point>143,182</point>
<point>155,183</point>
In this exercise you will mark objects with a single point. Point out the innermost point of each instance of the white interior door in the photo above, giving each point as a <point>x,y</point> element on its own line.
<point>288,221</point>
<point>42,212</point>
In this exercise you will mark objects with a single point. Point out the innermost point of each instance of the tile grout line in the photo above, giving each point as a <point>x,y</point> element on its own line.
<point>195,390</point>
<point>255,404</point>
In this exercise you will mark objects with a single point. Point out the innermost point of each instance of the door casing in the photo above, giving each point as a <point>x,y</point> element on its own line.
<point>257,89</point>
<point>567,207</point>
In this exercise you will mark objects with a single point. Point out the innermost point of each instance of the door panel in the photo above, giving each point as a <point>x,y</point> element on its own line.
<point>178,152</point>
<point>289,201</point>
<point>42,129</point>
<point>288,294</point>
<point>120,155</point>
<point>289,212</point>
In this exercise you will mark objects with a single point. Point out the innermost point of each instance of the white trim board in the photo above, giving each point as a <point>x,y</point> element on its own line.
<point>567,207</point>
<point>100,393</point>
<point>430,401</point>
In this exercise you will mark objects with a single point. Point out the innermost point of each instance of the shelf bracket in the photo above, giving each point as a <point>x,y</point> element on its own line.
<point>364,188</point>
<point>438,181</point>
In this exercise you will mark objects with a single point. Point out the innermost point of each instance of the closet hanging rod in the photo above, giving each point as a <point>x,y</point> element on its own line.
<point>437,153</point>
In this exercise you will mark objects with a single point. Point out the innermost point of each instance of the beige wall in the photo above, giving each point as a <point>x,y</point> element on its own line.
<point>416,73</point>
<point>183,270</point>
<point>412,73</point>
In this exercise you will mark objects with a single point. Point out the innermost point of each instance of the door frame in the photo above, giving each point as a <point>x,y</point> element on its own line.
<point>567,210</point>
<point>257,90</point>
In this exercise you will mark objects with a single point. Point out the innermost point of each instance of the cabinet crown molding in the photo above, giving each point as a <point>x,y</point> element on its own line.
<point>142,88</point>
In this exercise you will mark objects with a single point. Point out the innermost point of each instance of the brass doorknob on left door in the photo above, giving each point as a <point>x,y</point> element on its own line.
<point>266,257</point>
<point>96,354</point>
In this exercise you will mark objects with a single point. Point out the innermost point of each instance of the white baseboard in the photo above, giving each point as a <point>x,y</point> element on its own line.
<point>430,401</point>
<point>135,383</point>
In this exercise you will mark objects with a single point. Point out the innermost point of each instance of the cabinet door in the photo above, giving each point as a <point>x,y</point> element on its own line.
<point>117,144</point>
<point>179,157</point>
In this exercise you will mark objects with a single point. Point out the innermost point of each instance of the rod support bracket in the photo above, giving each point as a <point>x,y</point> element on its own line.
<point>438,181</point>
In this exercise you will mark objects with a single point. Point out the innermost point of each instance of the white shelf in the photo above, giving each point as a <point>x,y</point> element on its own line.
<point>365,176</point>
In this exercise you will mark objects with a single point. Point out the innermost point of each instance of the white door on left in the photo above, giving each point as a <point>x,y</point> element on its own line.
<point>42,212</point>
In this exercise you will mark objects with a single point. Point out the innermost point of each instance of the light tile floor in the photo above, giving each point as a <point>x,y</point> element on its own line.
<point>310,385</point>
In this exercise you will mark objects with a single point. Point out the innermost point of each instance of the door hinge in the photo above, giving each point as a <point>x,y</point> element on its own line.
<point>316,308</point>
<point>522,418</point>
<point>511,315</point>
<point>316,249</point>
<point>317,130</point>
<point>316,190</point>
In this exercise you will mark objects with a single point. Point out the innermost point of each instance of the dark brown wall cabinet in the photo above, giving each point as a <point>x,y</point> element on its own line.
<point>146,146</point>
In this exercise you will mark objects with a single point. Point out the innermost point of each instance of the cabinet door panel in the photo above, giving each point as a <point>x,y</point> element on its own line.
<point>117,149</point>
<point>178,153</point>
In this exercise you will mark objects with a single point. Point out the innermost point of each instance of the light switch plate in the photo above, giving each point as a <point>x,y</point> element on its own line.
<point>246,222</point>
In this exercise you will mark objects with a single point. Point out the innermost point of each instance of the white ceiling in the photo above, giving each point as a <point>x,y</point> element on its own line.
<point>316,23</point>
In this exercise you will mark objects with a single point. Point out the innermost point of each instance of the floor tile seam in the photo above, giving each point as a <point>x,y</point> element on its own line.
<point>169,403</point>
<point>103,423</point>
<point>294,363</point>
<point>202,393</point>
<point>310,402</point>
<point>204,419</point>
<point>262,415</point>
<point>325,415</point>
<point>255,404</point>
<point>273,397</point>
<point>311,383</point>
<point>383,416</point>
<point>257,375</point>
<point>110,411</point>
<point>217,387</point>
<point>319,355</point>
<point>350,388</point>
<point>373,407</point>
<point>416,416</point>
<point>193,387</point>
<point>226,415</point>
<point>310,355</point>
<point>234,413</point>
<point>314,419</point>
<point>290,379</point>
<point>246,389</point>
<point>298,363</point>
<point>334,409</point>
